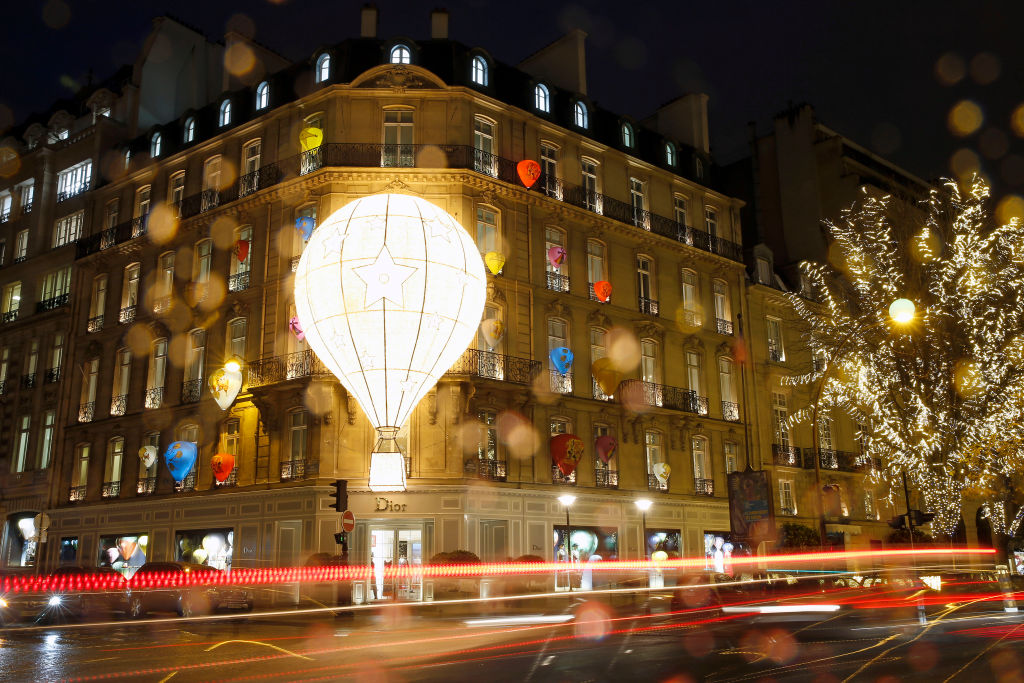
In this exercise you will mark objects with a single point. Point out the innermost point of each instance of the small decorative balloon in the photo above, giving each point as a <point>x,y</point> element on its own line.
<point>606,376</point>
<point>242,250</point>
<point>556,255</point>
<point>296,327</point>
<point>305,225</point>
<point>310,138</point>
<point>225,385</point>
<point>180,456</point>
<point>561,358</point>
<point>221,464</point>
<point>603,290</point>
<point>662,471</point>
<point>147,454</point>
<point>529,172</point>
<point>495,261</point>
<point>566,451</point>
<point>605,447</point>
<point>493,330</point>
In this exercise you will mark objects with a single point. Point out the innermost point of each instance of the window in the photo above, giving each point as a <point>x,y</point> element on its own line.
<point>780,415</point>
<point>598,349</point>
<point>230,437</point>
<point>224,114</point>
<point>240,269</point>
<point>297,435</point>
<point>88,396</point>
<point>98,302</point>
<point>554,237</point>
<point>628,139</point>
<point>492,365</point>
<point>649,361</point>
<point>711,221</point>
<point>21,246</point>
<point>56,355</point>
<point>68,229</point>
<point>196,356</point>
<point>56,284</point>
<point>323,68</point>
<point>32,363</point>
<point>595,263</point>
<point>398,139</point>
<point>80,473</point>
<point>863,435</point>
<point>542,98</point>
<point>588,170</point>
<point>142,199</point>
<point>5,206</point>
<point>558,336</point>
<point>249,182</point>
<point>115,462</point>
<point>670,154</point>
<point>486,229</point>
<point>726,384</point>
<point>236,338</point>
<point>644,290</point>
<point>3,250</point>
<point>869,505</point>
<point>27,190</point>
<point>723,311</point>
<point>549,170</point>
<point>11,301</point>
<point>606,474</point>
<point>211,183</point>
<point>165,279</point>
<point>74,180</point>
<point>5,364</point>
<point>157,373</point>
<point>484,160</point>
<point>190,129</point>
<point>580,115</point>
<point>731,460</point>
<point>478,70</point>
<point>147,475</point>
<point>825,437</point>
<point>262,95</point>
<point>154,145</point>
<point>694,376</point>
<point>176,189</point>
<point>638,200</point>
<point>21,448</point>
<point>189,432</point>
<point>203,261</point>
<point>691,315</point>
<point>655,455</point>
<point>111,214</point>
<point>776,352</point>
<point>400,54</point>
<point>127,158</point>
<point>122,380</point>
<point>487,442</point>
<point>701,464</point>
<point>787,504</point>
<point>46,442</point>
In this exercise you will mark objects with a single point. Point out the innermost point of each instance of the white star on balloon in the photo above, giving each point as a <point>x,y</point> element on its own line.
<point>433,321</point>
<point>439,229</point>
<point>409,386</point>
<point>333,244</point>
<point>384,279</point>
<point>367,359</point>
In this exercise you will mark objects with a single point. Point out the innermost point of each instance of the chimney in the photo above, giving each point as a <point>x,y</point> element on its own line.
<point>439,24</point>
<point>684,118</point>
<point>563,63</point>
<point>368,21</point>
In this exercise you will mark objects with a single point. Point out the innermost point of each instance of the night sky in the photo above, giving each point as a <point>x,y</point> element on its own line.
<point>886,74</point>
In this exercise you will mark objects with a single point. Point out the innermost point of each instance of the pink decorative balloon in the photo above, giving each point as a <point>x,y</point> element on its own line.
<point>605,447</point>
<point>556,255</point>
<point>296,327</point>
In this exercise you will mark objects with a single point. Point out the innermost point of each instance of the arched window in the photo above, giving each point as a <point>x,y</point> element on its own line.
<point>558,337</point>
<point>487,229</point>
<point>195,358</point>
<point>80,473</point>
<point>561,425</point>
<point>691,307</point>
<point>115,463</point>
<point>154,145</point>
<point>627,135</point>
<point>598,349</point>
<point>654,453</point>
<point>703,479</point>
<point>670,154</point>
<point>727,384</point>
<point>189,432</point>
<point>649,362</point>
<point>294,466</point>
<point>645,285</point>
<point>596,268</point>
<point>190,129</point>
<point>723,309</point>
<point>323,68</point>
<point>262,95</point>
<point>541,98</point>
<point>203,261</point>
<point>580,115</point>
<point>494,366</point>
<point>478,70</point>
<point>400,54</point>
<point>236,332</point>
<point>157,373</point>
<point>224,115</point>
<point>556,279</point>
<point>606,474</point>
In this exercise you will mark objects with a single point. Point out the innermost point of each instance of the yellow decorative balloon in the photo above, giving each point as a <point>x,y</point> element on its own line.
<point>495,261</point>
<point>606,375</point>
<point>310,138</point>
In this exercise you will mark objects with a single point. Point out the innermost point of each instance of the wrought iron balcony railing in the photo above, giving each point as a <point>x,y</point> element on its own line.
<point>94,324</point>
<point>689,319</point>
<point>557,282</point>
<point>126,315</point>
<point>730,411</point>
<point>28,380</point>
<point>10,316</point>
<point>76,494</point>
<point>561,384</point>
<point>118,405</point>
<point>146,486</point>
<point>187,484</point>
<point>162,304</point>
<point>605,478</point>
<point>844,461</point>
<point>295,262</point>
<point>787,456</point>
<point>562,479</point>
<point>655,484</point>
<point>154,397</point>
<point>51,376</point>
<point>723,326</point>
<point>53,303</point>
<point>647,306</point>
<point>775,354</point>
<point>787,511</point>
<point>86,411</point>
<point>281,368</point>
<point>704,487</point>
<point>639,392</point>
<point>232,479</point>
<point>598,392</point>
<point>111,489</point>
<point>3,386</point>
<point>238,281</point>
<point>191,390</point>
<point>485,468</point>
<point>496,366</point>
<point>593,295</point>
<point>298,468</point>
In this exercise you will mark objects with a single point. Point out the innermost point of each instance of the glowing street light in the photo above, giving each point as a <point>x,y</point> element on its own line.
<point>902,311</point>
<point>567,499</point>
<point>643,505</point>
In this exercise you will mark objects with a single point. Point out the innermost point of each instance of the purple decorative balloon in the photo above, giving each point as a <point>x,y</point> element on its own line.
<point>605,447</point>
<point>556,255</point>
<point>296,327</point>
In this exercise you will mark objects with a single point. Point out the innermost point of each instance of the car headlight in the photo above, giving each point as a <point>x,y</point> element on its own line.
<point>3,603</point>
<point>56,600</point>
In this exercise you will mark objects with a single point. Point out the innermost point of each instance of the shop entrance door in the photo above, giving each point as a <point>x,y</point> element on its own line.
<point>401,549</point>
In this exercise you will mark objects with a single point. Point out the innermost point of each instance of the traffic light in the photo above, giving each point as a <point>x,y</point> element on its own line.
<point>340,495</point>
<point>898,522</point>
<point>921,518</point>
<point>339,537</point>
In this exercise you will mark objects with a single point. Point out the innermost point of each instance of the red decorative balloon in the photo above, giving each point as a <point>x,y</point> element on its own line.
<point>566,451</point>
<point>603,290</point>
<point>242,250</point>
<point>222,464</point>
<point>529,172</point>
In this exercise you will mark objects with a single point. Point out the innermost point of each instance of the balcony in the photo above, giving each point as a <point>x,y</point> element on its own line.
<point>490,365</point>
<point>843,461</point>
<point>597,392</point>
<point>76,494</point>
<point>51,376</point>
<point>118,404</point>
<point>111,489</point>
<point>485,162</point>
<point>403,156</point>
<point>249,183</point>
<point>146,486</point>
<point>560,384</point>
<point>238,282</point>
<point>154,397</point>
<point>5,216</point>
<point>94,324</point>
<point>208,199</point>
<point>787,456</point>
<point>557,282</point>
<point>787,511</point>
<point>10,316</point>
<point>485,468</point>
<point>689,319</point>
<point>232,479</point>
<point>655,484</point>
<point>298,468</point>
<point>560,479</point>
<point>3,387</point>
<point>311,160</point>
<point>26,208</point>
<point>72,191</point>
<point>53,303</point>
<point>295,262</point>
<point>162,304</point>
<point>191,390</point>
<point>605,478</point>
<point>20,258</point>
<point>730,411</point>
<point>126,315</point>
<point>281,368</point>
<point>28,380</point>
<point>704,487</point>
<point>638,392</point>
<point>187,484</point>
<point>86,411</point>
<point>647,306</point>
<point>775,354</point>
<point>723,326</point>
<point>593,295</point>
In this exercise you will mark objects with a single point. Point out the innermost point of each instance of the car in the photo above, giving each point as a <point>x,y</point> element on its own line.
<point>68,600</point>
<point>163,587</point>
<point>17,607</point>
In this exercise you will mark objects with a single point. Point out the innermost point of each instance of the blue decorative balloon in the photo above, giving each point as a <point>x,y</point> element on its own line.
<point>180,457</point>
<point>305,225</point>
<point>561,358</point>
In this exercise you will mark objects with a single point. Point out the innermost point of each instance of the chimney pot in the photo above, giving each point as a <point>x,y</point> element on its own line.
<point>368,20</point>
<point>439,24</point>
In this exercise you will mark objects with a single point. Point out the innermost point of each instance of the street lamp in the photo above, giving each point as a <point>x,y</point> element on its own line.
<point>643,505</point>
<point>567,499</point>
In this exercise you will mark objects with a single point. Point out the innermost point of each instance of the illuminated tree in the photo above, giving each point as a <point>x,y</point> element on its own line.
<point>941,394</point>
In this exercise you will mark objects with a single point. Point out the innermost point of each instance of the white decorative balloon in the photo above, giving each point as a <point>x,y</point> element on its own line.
<point>389,292</point>
<point>147,454</point>
<point>662,471</point>
<point>225,385</point>
<point>493,330</point>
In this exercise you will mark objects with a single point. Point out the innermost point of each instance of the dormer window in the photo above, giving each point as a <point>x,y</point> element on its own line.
<point>628,140</point>
<point>542,98</point>
<point>224,115</point>
<point>580,115</point>
<point>400,54</point>
<point>323,68</point>
<point>670,154</point>
<point>262,95</point>
<point>478,70</point>
<point>154,145</point>
<point>190,129</point>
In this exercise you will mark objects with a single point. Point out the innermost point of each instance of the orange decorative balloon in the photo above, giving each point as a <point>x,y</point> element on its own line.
<point>529,172</point>
<point>603,290</point>
<point>566,452</point>
<point>222,464</point>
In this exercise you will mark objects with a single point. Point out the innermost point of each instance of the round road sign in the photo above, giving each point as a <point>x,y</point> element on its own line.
<point>348,521</point>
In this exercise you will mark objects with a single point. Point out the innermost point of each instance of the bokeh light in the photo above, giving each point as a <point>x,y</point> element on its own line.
<point>1015,350</point>
<point>993,143</point>
<point>950,69</point>
<point>985,68</point>
<point>967,378</point>
<point>623,349</point>
<point>1009,207</point>
<point>162,224</point>
<point>902,310</point>
<point>1017,121</point>
<point>517,434</point>
<point>964,163</point>
<point>56,13</point>
<point>965,118</point>
<point>222,232</point>
<point>239,59</point>
<point>10,162</point>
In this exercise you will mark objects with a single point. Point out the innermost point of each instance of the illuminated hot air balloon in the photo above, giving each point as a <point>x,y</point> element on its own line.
<point>389,291</point>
